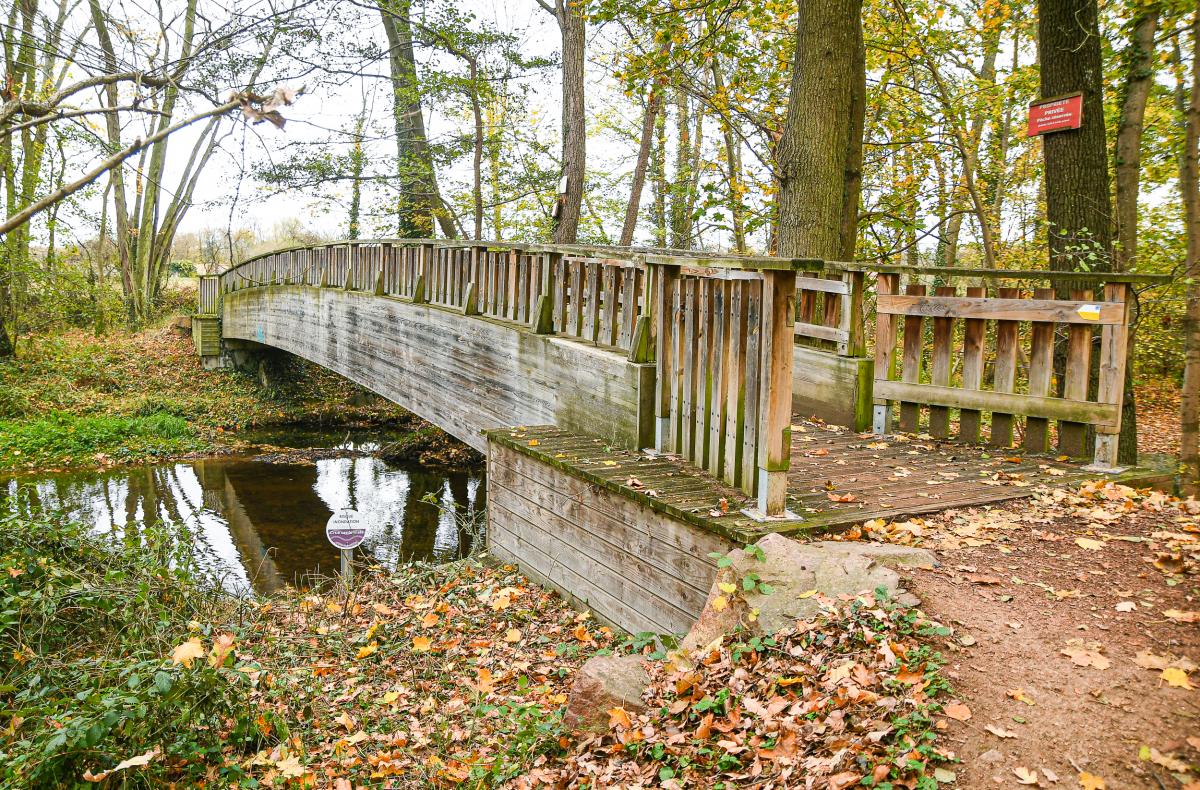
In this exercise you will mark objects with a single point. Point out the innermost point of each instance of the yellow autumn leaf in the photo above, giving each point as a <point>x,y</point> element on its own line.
<point>1174,676</point>
<point>366,650</point>
<point>188,652</point>
<point>807,594</point>
<point>222,646</point>
<point>429,620</point>
<point>390,697</point>
<point>719,603</point>
<point>534,442</point>
<point>512,635</point>
<point>421,643</point>
<point>1091,782</point>
<point>1089,544</point>
<point>727,588</point>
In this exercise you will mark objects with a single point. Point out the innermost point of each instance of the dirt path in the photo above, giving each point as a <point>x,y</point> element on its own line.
<point>1019,590</point>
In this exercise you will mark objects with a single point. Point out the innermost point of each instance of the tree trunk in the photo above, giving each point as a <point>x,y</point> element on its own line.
<point>653,104</point>
<point>420,203</point>
<point>1078,199</point>
<point>658,178</point>
<point>680,218</point>
<point>733,161</point>
<point>1189,181</point>
<point>815,150</point>
<point>1078,205</point>
<point>573,28</point>
<point>1139,78</point>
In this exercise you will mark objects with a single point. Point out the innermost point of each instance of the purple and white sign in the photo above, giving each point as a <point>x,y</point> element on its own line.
<point>346,529</point>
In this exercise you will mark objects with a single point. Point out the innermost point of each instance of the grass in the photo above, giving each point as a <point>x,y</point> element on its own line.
<point>72,399</point>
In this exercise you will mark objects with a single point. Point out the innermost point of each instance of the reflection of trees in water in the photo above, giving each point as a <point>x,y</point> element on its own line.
<point>268,519</point>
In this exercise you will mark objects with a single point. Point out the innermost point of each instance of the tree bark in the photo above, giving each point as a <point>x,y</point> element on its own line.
<point>420,203</point>
<point>573,28</point>
<point>1189,181</point>
<point>1139,78</point>
<point>653,104</point>
<point>815,152</point>
<point>733,161</point>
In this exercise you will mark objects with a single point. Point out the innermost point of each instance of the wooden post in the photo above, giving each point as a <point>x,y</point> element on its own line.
<point>1041,370</point>
<point>424,265</point>
<point>1072,436</point>
<point>885,353</point>
<point>775,372</point>
<point>1114,339</point>
<point>939,367</point>
<point>974,333</point>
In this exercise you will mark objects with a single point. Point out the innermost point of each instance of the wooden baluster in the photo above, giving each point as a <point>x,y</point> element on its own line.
<point>666,382</point>
<point>750,397</point>
<point>542,320</point>
<point>560,293</point>
<point>628,306</point>
<point>914,339</point>
<point>608,320</point>
<point>1041,369</point>
<point>831,315</point>
<point>720,360</point>
<point>974,332</point>
<point>735,382</point>
<point>688,385</point>
<point>704,352</point>
<point>591,319</point>
<point>1005,375</point>
<point>939,369</point>
<point>885,353</point>
<point>775,418</point>
<point>1114,340</point>
<point>575,319</point>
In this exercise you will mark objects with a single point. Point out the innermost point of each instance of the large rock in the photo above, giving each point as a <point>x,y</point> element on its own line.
<point>604,683</point>
<point>795,570</point>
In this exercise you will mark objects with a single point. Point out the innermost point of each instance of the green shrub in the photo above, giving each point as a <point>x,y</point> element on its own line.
<point>60,437</point>
<point>88,626</point>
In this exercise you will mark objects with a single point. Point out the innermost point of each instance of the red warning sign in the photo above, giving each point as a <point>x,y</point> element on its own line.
<point>1056,115</point>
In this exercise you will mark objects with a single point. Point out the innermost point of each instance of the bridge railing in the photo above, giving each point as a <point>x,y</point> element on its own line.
<point>1009,326</point>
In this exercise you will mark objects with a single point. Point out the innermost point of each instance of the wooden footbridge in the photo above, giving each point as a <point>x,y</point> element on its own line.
<point>640,408</point>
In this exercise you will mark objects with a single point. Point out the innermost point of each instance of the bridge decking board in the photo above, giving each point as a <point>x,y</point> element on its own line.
<point>826,462</point>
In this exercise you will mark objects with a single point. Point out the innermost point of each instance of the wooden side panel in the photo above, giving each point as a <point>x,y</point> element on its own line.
<point>633,567</point>
<point>1072,435</point>
<point>1041,369</point>
<point>974,334</point>
<point>939,368</point>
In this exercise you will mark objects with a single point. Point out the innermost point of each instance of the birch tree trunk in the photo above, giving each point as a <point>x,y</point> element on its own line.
<point>1127,164</point>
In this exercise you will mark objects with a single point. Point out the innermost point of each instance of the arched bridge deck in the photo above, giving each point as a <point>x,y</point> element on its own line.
<point>710,364</point>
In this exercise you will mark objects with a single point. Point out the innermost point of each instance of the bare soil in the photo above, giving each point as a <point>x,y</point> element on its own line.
<point>1029,593</point>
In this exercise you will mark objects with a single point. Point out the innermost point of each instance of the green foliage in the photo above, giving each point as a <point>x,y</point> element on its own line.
<point>86,680</point>
<point>60,435</point>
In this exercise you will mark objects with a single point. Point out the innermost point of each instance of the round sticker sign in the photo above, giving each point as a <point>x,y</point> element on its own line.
<point>346,529</point>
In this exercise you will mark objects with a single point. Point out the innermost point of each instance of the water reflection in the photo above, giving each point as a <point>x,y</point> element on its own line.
<point>260,525</point>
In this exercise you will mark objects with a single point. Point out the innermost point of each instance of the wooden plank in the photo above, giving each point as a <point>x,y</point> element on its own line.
<point>1041,369</point>
<point>717,400</point>
<point>974,333</point>
<point>703,370</point>
<point>821,332</point>
<point>819,284</point>
<point>687,410</point>
<point>750,399</point>
<point>1102,414</point>
<point>666,382</point>
<point>608,316</point>
<point>1072,436</point>
<point>1043,308</point>
<point>1005,376</point>
<point>914,339</point>
<point>591,318</point>
<point>939,368</point>
<point>852,317</point>
<point>735,383</point>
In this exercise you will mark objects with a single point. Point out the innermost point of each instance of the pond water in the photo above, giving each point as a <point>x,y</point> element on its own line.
<point>259,523</point>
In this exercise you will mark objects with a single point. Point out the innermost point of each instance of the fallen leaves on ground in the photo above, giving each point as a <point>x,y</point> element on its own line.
<point>820,704</point>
